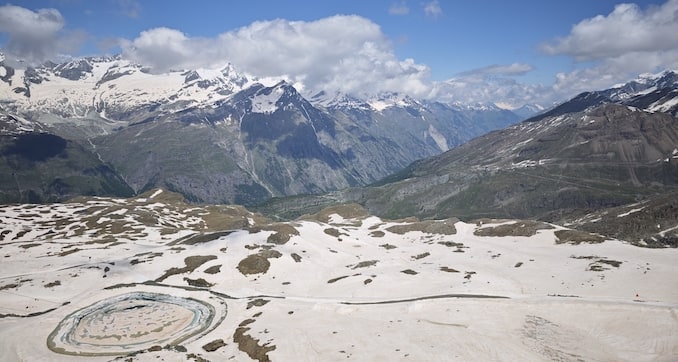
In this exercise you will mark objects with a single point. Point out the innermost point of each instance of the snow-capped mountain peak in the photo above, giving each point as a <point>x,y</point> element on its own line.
<point>339,100</point>
<point>391,99</point>
<point>650,92</point>
<point>110,85</point>
<point>266,100</point>
<point>644,84</point>
<point>365,102</point>
<point>478,106</point>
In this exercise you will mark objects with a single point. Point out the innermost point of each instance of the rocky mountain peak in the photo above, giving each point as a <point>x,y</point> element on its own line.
<point>652,93</point>
<point>190,76</point>
<point>74,70</point>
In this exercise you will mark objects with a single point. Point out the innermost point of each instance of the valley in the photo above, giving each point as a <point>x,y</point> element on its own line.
<point>208,215</point>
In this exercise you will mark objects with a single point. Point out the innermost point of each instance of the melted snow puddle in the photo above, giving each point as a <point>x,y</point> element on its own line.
<point>131,322</point>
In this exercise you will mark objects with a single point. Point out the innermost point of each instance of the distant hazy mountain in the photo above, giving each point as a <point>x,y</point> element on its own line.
<point>221,136</point>
<point>528,110</point>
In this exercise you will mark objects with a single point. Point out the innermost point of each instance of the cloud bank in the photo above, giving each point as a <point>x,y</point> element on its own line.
<point>345,53</point>
<point>503,90</point>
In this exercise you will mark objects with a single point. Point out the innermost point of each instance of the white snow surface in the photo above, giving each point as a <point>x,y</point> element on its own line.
<point>438,138</point>
<point>386,100</point>
<point>663,105</point>
<point>266,103</point>
<point>347,288</point>
<point>120,84</point>
<point>156,193</point>
<point>630,212</point>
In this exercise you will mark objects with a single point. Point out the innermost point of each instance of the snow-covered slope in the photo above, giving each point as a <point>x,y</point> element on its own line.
<point>112,87</point>
<point>154,278</point>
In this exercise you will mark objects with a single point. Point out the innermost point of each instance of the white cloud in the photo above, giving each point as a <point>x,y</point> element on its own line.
<point>164,49</point>
<point>32,35</point>
<point>501,69</point>
<point>493,84</point>
<point>433,9</point>
<point>614,71</point>
<point>487,88</point>
<point>627,42</point>
<point>399,8</point>
<point>627,29</point>
<point>129,8</point>
<point>345,53</point>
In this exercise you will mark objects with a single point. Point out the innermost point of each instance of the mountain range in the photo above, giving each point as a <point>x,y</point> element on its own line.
<point>595,156</point>
<point>104,126</point>
<point>221,136</point>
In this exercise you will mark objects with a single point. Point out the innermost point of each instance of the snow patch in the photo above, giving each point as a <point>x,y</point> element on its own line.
<point>630,212</point>
<point>663,232</point>
<point>379,105</point>
<point>266,103</point>
<point>438,138</point>
<point>156,193</point>
<point>525,164</point>
<point>521,143</point>
<point>663,105</point>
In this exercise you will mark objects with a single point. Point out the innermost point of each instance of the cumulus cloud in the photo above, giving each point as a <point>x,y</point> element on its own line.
<point>165,49</point>
<point>627,29</point>
<point>433,9</point>
<point>345,53</point>
<point>32,35</point>
<point>614,71</point>
<point>399,8</point>
<point>617,47</point>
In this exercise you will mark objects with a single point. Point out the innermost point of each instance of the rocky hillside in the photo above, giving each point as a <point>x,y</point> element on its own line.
<point>37,166</point>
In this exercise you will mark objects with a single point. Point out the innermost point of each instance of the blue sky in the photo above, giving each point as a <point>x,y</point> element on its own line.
<point>506,52</point>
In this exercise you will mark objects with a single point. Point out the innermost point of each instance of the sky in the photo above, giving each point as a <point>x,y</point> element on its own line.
<point>472,51</point>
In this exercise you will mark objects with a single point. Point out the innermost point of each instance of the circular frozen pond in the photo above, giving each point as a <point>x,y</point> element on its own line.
<point>130,322</point>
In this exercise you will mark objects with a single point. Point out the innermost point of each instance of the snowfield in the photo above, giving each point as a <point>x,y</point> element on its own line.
<point>153,278</point>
